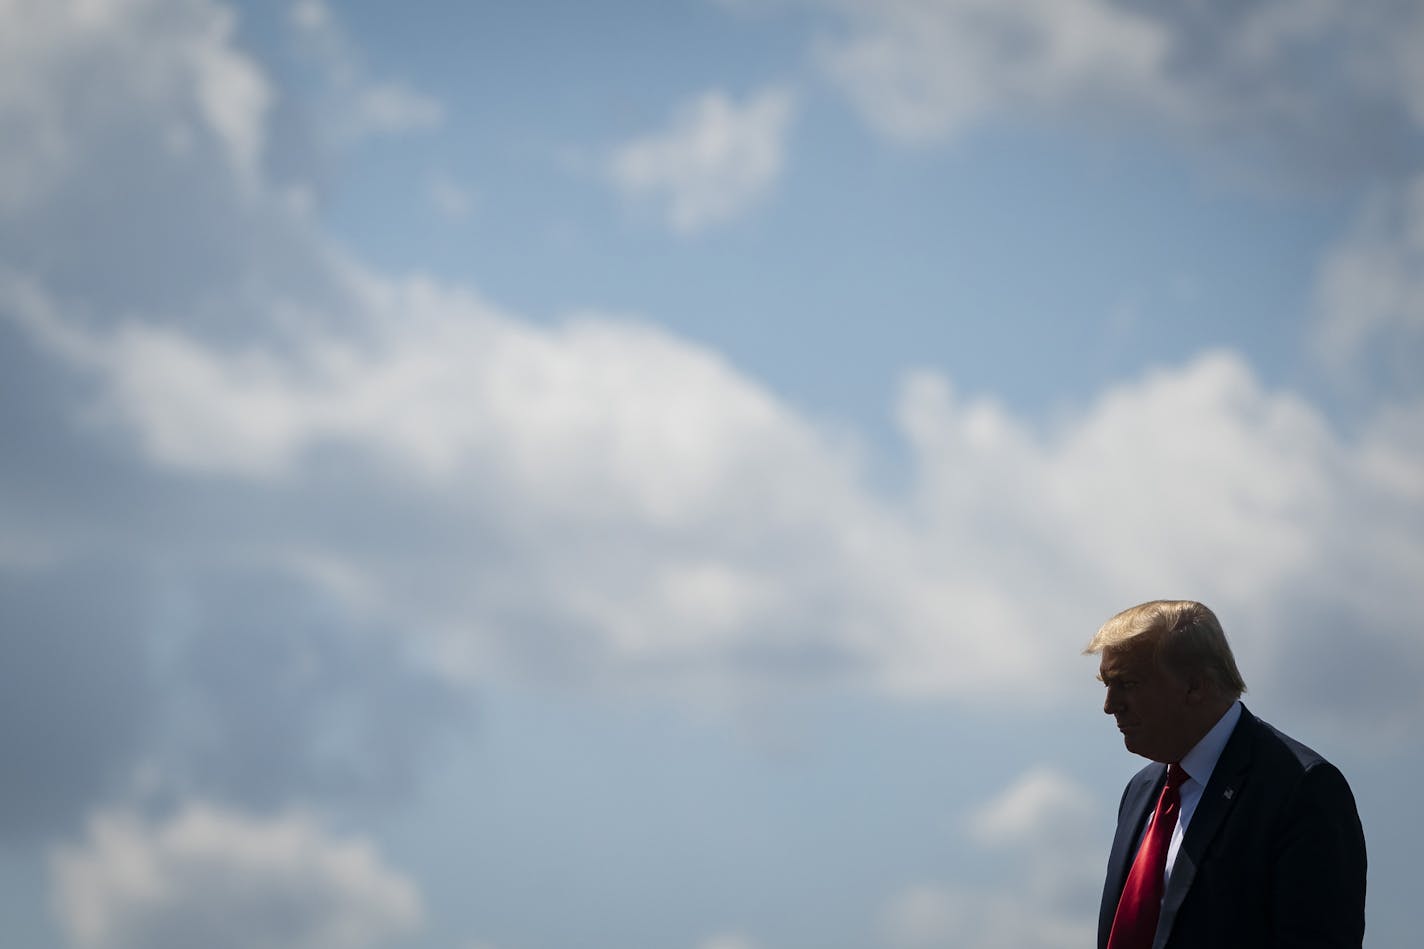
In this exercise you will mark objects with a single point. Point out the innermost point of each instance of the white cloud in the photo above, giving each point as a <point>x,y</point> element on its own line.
<point>655,489</point>
<point>1371,290</point>
<point>1042,805</point>
<point>1046,822</point>
<point>1325,87</point>
<point>715,161</point>
<point>1374,48</point>
<point>388,107</point>
<point>442,384</point>
<point>208,877</point>
<point>358,106</point>
<point>922,69</point>
<point>666,514</point>
<point>140,58</point>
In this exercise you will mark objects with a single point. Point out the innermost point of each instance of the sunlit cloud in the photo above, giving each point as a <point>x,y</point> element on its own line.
<point>557,438</point>
<point>715,161</point>
<point>1043,822</point>
<point>141,58</point>
<point>212,877</point>
<point>922,71</point>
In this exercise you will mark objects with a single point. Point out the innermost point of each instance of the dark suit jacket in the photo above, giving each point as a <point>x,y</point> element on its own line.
<point>1273,857</point>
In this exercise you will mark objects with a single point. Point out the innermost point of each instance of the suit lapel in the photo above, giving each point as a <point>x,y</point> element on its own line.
<point>1138,802</point>
<point>1218,797</point>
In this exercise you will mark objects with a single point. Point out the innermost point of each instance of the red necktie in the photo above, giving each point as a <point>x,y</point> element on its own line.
<point>1136,921</point>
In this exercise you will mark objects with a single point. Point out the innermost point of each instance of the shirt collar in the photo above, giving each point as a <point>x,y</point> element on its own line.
<point>1201,760</point>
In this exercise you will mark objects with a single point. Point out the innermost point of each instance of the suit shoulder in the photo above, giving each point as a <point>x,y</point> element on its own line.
<point>1285,754</point>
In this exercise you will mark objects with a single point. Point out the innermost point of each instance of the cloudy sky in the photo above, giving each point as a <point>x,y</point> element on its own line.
<point>640,475</point>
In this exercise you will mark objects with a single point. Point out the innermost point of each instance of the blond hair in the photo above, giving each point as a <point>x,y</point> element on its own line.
<point>1186,636</point>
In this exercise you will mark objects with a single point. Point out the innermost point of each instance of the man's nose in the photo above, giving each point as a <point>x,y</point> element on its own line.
<point>1111,702</point>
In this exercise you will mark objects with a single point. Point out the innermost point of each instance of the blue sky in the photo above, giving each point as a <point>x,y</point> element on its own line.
<point>641,474</point>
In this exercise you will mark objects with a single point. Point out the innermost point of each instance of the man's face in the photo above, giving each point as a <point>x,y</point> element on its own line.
<point>1148,702</point>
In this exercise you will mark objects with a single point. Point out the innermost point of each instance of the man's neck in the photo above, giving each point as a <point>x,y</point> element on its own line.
<point>1206,717</point>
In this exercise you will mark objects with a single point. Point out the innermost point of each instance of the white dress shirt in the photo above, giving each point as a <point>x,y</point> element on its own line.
<point>1199,763</point>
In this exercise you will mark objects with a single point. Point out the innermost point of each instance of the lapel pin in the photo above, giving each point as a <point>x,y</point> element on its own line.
<point>1229,793</point>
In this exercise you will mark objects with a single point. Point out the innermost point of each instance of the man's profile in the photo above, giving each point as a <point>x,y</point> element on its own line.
<point>1236,835</point>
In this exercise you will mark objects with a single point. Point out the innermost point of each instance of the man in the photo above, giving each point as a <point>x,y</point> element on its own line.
<point>1237,835</point>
